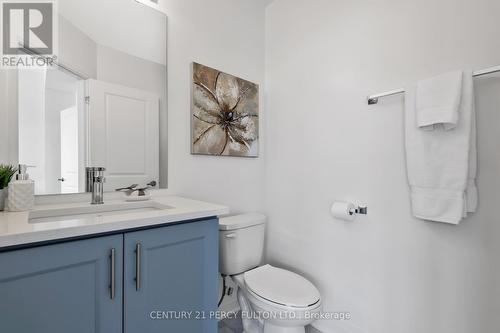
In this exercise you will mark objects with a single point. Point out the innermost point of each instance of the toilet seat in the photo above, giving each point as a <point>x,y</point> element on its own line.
<point>281,287</point>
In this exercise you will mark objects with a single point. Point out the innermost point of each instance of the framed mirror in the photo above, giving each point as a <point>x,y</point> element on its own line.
<point>101,103</point>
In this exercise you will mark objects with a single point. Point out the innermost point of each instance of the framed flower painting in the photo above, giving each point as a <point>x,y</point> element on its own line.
<point>224,114</point>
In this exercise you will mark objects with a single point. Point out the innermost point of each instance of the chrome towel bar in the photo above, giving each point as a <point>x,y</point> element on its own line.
<point>373,99</point>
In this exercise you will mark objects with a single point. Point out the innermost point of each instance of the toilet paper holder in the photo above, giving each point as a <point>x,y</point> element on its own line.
<point>347,211</point>
<point>363,210</point>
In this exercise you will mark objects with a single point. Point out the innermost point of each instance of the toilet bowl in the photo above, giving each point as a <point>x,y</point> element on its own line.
<point>272,300</point>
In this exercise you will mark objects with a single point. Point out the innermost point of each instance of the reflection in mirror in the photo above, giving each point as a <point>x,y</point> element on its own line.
<point>51,129</point>
<point>102,105</point>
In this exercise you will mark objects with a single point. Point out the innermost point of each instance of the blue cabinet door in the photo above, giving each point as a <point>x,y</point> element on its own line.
<point>62,288</point>
<point>170,279</point>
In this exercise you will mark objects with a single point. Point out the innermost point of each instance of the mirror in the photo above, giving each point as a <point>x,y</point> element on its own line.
<point>101,103</point>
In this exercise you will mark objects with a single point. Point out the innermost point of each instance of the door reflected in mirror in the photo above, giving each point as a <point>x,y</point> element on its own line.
<point>52,129</point>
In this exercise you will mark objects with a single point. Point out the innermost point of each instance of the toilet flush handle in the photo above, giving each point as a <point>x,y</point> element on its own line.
<point>233,235</point>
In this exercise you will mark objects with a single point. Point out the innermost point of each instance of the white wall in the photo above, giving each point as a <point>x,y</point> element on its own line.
<point>8,117</point>
<point>227,35</point>
<point>394,273</point>
<point>32,117</point>
<point>4,120</point>
<point>76,49</point>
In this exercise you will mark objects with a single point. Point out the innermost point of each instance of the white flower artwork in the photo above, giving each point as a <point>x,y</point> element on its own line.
<point>225,114</point>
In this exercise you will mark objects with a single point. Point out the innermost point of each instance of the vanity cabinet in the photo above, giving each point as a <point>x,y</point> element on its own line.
<point>62,288</point>
<point>169,273</point>
<point>138,281</point>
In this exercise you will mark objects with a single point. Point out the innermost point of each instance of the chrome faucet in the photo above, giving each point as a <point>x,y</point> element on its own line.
<point>95,184</point>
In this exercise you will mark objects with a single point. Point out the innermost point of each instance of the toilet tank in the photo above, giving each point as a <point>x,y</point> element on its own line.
<point>241,242</point>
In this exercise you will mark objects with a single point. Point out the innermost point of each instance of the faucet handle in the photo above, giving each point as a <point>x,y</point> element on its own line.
<point>128,188</point>
<point>140,191</point>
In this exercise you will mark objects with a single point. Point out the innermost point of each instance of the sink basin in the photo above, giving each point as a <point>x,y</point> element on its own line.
<point>93,211</point>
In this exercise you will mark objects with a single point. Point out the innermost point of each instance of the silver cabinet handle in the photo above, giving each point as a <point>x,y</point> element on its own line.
<point>137,266</point>
<point>112,274</point>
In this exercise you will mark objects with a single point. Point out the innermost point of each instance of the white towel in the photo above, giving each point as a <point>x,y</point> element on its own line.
<point>438,101</point>
<point>442,163</point>
<point>471,193</point>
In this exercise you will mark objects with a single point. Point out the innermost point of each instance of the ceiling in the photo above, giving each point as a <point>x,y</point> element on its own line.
<point>124,25</point>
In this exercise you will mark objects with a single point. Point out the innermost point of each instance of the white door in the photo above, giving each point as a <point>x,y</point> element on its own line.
<point>69,150</point>
<point>123,133</point>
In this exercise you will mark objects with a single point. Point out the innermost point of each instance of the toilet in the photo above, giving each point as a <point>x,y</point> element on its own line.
<point>272,300</point>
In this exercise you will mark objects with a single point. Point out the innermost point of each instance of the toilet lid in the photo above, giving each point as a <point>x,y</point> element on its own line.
<point>281,286</point>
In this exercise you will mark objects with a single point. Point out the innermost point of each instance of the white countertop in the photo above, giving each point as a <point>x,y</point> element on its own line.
<point>17,229</point>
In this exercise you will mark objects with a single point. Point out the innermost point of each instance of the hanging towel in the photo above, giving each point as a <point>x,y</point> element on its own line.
<point>442,163</point>
<point>438,101</point>
<point>471,193</point>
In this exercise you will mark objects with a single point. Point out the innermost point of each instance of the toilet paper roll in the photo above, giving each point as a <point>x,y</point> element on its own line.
<point>343,210</point>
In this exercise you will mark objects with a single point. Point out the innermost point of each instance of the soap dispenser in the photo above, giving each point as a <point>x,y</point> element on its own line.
<point>21,191</point>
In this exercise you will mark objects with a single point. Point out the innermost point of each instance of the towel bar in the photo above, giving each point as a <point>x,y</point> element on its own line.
<point>373,99</point>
